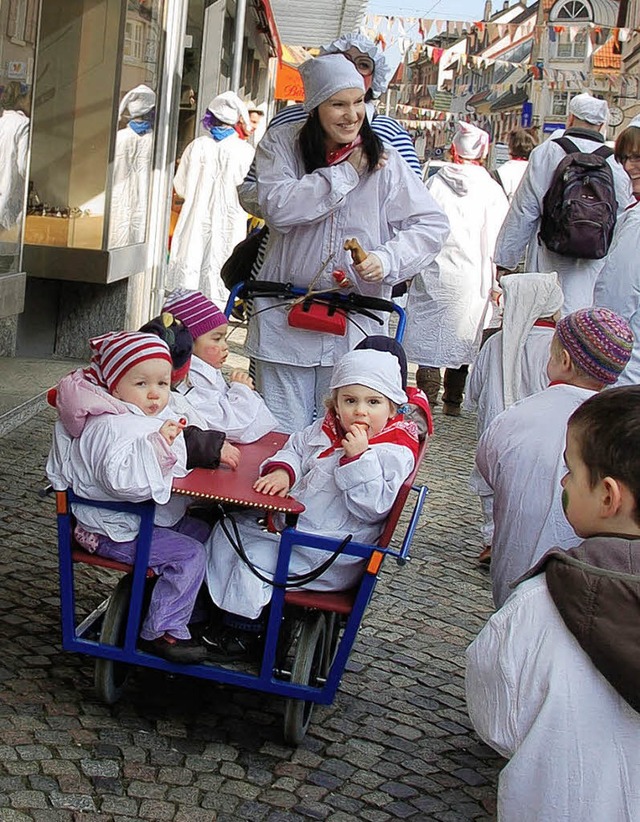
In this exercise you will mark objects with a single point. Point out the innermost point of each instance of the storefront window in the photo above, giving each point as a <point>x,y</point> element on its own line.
<point>18,21</point>
<point>94,112</point>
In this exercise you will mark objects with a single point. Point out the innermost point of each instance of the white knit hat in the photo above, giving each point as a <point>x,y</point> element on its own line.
<point>527,297</point>
<point>325,76</point>
<point>471,142</point>
<point>589,108</point>
<point>229,108</point>
<point>383,68</point>
<point>140,100</point>
<point>378,370</point>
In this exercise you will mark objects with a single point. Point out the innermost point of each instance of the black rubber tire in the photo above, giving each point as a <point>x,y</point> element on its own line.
<point>307,665</point>
<point>111,677</point>
<point>334,629</point>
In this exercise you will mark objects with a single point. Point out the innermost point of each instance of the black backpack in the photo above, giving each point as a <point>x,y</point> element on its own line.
<point>579,209</point>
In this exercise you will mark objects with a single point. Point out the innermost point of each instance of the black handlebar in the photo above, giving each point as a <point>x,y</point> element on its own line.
<point>288,290</point>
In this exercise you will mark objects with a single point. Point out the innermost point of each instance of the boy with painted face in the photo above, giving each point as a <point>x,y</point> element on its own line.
<point>552,679</point>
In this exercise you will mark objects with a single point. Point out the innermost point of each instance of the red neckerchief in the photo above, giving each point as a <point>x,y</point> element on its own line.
<point>544,324</point>
<point>558,382</point>
<point>633,205</point>
<point>339,154</point>
<point>397,431</point>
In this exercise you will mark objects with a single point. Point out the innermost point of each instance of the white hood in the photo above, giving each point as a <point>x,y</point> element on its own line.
<point>461,177</point>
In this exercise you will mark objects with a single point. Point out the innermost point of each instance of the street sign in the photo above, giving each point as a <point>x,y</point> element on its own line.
<point>548,128</point>
<point>527,115</point>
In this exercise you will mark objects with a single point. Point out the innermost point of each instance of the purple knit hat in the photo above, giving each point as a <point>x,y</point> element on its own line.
<point>598,341</point>
<point>195,310</point>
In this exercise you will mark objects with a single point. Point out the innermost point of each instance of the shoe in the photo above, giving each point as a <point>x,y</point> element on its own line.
<point>428,380</point>
<point>181,651</point>
<point>451,409</point>
<point>484,557</point>
<point>231,646</point>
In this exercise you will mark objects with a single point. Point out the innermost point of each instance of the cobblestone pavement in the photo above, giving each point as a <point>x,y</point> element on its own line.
<point>396,743</point>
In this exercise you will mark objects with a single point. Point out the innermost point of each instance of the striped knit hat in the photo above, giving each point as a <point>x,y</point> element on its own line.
<point>115,353</point>
<point>598,341</point>
<point>195,310</point>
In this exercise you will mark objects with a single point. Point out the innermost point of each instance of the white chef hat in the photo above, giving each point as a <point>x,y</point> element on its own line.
<point>325,76</point>
<point>527,297</point>
<point>229,108</point>
<point>635,122</point>
<point>378,370</point>
<point>383,69</point>
<point>140,100</point>
<point>471,142</point>
<point>589,108</point>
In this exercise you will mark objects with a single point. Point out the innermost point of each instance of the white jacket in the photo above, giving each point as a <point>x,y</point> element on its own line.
<point>235,409</point>
<point>339,500</point>
<point>448,303</point>
<point>311,215</point>
<point>211,221</point>
<point>511,174</point>
<point>118,457</point>
<point>521,226</point>
<point>618,285</point>
<point>14,142</point>
<point>519,457</point>
<point>130,190</point>
<point>535,696</point>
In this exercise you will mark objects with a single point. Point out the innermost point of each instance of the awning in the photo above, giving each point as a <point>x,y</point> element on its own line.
<point>510,100</point>
<point>315,22</point>
<point>288,79</point>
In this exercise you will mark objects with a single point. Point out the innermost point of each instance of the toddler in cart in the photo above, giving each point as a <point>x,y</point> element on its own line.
<point>236,408</point>
<point>346,468</point>
<point>117,439</point>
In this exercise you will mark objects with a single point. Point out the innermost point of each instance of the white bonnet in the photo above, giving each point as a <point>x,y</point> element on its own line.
<point>635,122</point>
<point>383,70</point>
<point>229,108</point>
<point>140,100</point>
<point>471,142</point>
<point>589,108</point>
<point>378,370</point>
<point>325,76</point>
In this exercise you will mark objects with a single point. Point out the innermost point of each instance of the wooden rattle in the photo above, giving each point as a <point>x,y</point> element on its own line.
<point>358,254</point>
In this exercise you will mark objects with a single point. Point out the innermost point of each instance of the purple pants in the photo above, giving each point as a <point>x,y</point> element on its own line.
<point>177,556</point>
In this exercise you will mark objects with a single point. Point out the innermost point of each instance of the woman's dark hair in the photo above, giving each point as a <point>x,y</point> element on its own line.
<point>607,426</point>
<point>521,143</point>
<point>314,152</point>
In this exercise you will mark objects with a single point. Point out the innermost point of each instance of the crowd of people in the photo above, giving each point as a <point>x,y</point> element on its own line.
<point>536,338</point>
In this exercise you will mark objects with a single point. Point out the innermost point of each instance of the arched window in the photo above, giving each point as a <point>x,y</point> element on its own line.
<point>571,10</point>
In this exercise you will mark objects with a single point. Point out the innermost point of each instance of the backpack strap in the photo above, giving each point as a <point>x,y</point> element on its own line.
<point>604,152</point>
<point>494,174</point>
<point>568,145</point>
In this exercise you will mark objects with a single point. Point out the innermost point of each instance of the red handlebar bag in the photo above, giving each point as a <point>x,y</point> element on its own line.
<point>313,316</point>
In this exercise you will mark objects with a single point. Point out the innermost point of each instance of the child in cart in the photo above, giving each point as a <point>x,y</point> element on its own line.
<point>117,439</point>
<point>235,409</point>
<point>346,468</point>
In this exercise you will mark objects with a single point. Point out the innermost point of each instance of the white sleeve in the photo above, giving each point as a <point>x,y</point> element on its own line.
<point>371,483</point>
<point>180,179</point>
<point>618,286</point>
<point>239,412</point>
<point>294,451</point>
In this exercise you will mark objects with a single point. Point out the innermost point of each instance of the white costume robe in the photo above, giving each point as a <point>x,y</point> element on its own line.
<point>345,499</point>
<point>14,143</point>
<point>520,228</point>
<point>309,218</point>
<point>511,174</point>
<point>211,221</point>
<point>519,457</point>
<point>130,192</point>
<point>235,409</point>
<point>115,458</point>
<point>618,285</point>
<point>448,304</point>
<point>535,696</point>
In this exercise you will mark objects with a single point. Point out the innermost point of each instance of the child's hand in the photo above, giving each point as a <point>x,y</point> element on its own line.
<point>356,441</point>
<point>242,377</point>
<point>229,455</point>
<point>276,483</point>
<point>370,270</point>
<point>170,430</point>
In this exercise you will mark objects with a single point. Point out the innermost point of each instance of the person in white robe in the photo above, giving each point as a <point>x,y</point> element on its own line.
<point>512,365</point>
<point>618,284</point>
<point>521,143</point>
<point>132,165</point>
<point>449,302</point>
<point>14,145</point>
<point>586,122</point>
<point>346,469</point>
<point>212,221</point>
<point>311,213</point>
<point>519,456</point>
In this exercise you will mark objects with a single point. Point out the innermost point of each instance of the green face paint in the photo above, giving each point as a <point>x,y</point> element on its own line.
<point>565,500</point>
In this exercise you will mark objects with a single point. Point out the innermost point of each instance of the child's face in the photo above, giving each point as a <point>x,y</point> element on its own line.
<point>359,405</point>
<point>579,498</point>
<point>212,347</point>
<point>146,385</point>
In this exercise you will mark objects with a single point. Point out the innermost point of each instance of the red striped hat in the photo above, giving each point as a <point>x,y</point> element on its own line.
<point>115,353</point>
<point>195,310</point>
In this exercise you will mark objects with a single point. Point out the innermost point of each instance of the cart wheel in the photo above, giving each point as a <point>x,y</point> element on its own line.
<point>307,665</point>
<point>334,627</point>
<point>110,677</point>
